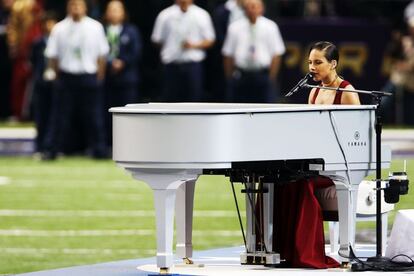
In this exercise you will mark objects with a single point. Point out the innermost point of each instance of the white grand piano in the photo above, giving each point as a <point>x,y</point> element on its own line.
<point>168,145</point>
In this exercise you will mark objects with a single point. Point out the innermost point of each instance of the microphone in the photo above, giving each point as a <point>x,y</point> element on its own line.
<point>300,84</point>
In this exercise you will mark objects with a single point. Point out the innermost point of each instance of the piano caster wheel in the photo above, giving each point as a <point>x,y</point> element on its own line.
<point>187,261</point>
<point>346,265</point>
<point>164,270</point>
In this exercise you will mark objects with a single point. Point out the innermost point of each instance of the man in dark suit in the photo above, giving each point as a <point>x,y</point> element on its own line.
<point>223,15</point>
<point>122,75</point>
<point>42,81</point>
<point>5,62</point>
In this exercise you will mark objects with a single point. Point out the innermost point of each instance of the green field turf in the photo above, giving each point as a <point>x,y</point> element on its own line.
<point>78,211</point>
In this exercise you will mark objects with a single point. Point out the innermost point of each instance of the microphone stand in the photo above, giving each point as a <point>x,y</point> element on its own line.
<point>299,85</point>
<point>377,95</point>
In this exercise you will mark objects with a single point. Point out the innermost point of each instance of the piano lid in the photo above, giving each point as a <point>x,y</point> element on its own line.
<point>228,108</point>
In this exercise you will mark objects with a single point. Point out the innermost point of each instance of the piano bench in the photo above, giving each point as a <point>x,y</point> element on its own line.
<point>366,210</point>
<point>330,215</point>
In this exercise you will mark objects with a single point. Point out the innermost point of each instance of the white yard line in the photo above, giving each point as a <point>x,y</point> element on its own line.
<point>75,251</point>
<point>57,195</point>
<point>106,213</point>
<point>72,181</point>
<point>98,233</point>
<point>11,132</point>
<point>4,180</point>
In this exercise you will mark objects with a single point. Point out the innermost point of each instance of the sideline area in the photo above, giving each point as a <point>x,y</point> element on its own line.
<point>20,141</point>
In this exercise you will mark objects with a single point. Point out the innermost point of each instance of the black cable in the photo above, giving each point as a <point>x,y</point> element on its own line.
<point>380,265</point>
<point>238,214</point>
<point>402,255</point>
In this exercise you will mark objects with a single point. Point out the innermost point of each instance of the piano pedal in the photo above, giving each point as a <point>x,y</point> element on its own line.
<point>260,258</point>
<point>345,265</point>
<point>188,261</point>
<point>164,271</point>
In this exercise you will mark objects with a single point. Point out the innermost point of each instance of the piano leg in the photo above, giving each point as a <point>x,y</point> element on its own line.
<point>164,184</point>
<point>347,201</point>
<point>164,210</point>
<point>184,220</point>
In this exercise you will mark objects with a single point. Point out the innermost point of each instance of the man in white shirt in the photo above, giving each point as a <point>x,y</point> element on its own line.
<point>76,50</point>
<point>183,31</point>
<point>252,55</point>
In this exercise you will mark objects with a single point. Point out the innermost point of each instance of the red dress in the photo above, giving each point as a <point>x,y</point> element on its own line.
<point>338,95</point>
<point>299,235</point>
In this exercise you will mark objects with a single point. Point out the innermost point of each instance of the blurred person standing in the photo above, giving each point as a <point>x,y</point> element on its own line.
<point>5,62</point>
<point>252,55</point>
<point>402,76</point>
<point>409,11</point>
<point>22,30</point>
<point>183,31</point>
<point>95,10</point>
<point>223,16</point>
<point>319,8</point>
<point>77,50</point>
<point>122,61</point>
<point>43,80</point>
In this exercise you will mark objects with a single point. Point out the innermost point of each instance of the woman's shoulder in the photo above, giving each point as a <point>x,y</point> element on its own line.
<point>345,84</point>
<point>349,98</point>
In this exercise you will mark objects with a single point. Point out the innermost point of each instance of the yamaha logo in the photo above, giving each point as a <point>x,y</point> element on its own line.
<point>356,142</point>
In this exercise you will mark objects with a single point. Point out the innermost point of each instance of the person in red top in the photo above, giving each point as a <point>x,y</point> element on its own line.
<point>299,205</point>
<point>23,29</point>
<point>323,62</point>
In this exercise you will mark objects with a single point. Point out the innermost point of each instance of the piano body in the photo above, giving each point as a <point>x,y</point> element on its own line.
<point>168,145</point>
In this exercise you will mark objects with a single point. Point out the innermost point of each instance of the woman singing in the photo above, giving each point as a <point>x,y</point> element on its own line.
<point>323,61</point>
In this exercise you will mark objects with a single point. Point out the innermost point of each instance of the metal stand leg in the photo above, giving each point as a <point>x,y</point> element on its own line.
<point>268,203</point>
<point>250,219</point>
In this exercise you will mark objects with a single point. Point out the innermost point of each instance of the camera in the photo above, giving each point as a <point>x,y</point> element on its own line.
<point>397,185</point>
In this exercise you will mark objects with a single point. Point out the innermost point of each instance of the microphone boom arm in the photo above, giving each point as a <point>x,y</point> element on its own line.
<point>374,93</point>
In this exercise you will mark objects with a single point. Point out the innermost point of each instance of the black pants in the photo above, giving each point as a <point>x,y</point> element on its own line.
<point>42,110</point>
<point>117,94</point>
<point>183,82</point>
<point>251,87</point>
<point>78,98</point>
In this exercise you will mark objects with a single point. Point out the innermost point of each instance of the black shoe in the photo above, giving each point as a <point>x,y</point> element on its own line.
<point>100,155</point>
<point>48,156</point>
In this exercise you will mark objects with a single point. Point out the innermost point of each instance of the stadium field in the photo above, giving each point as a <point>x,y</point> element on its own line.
<point>78,211</point>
